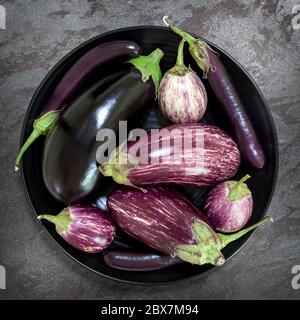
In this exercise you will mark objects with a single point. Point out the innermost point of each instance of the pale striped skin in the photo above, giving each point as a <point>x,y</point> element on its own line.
<point>182,98</point>
<point>160,217</point>
<point>90,230</point>
<point>211,157</point>
<point>226,215</point>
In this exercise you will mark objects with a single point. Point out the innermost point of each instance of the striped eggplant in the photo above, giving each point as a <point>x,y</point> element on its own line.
<point>86,228</point>
<point>165,220</point>
<point>187,154</point>
<point>182,96</point>
<point>229,205</point>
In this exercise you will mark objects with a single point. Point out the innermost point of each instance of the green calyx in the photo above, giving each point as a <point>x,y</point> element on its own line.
<point>118,167</point>
<point>209,243</point>
<point>41,126</point>
<point>61,221</point>
<point>180,69</point>
<point>207,248</point>
<point>238,189</point>
<point>197,48</point>
<point>149,66</point>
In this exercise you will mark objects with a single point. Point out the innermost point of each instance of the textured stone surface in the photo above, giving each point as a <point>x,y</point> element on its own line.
<point>257,33</point>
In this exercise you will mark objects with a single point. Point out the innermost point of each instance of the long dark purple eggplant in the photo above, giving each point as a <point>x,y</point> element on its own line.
<point>225,91</point>
<point>138,261</point>
<point>165,220</point>
<point>69,164</point>
<point>192,154</point>
<point>100,56</point>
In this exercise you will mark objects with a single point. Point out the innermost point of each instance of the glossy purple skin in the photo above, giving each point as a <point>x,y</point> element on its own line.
<point>220,156</point>
<point>91,230</point>
<point>230,101</point>
<point>138,261</point>
<point>160,217</point>
<point>182,98</point>
<point>101,55</point>
<point>226,215</point>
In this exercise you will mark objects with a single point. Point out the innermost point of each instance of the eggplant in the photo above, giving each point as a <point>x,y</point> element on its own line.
<point>101,56</point>
<point>85,228</point>
<point>187,154</point>
<point>165,220</point>
<point>69,162</point>
<point>138,260</point>
<point>229,205</point>
<point>222,85</point>
<point>182,96</point>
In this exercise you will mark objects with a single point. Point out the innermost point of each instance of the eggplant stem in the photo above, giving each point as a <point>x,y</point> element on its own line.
<point>180,58</point>
<point>33,136</point>
<point>227,238</point>
<point>238,189</point>
<point>165,20</point>
<point>41,126</point>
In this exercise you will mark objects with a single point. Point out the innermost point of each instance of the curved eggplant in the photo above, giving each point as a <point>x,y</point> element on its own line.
<point>69,163</point>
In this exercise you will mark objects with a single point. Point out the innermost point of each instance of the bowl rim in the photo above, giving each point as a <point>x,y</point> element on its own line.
<point>148,27</point>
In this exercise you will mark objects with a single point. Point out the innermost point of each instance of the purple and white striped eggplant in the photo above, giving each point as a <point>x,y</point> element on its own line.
<point>86,228</point>
<point>229,205</point>
<point>165,220</point>
<point>186,154</point>
<point>182,96</point>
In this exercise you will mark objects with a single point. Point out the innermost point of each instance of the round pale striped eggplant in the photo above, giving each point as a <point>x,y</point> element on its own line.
<point>182,96</point>
<point>186,154</point>
<point>86,228</point>
<point>229,205</point>
<point>165,220</point>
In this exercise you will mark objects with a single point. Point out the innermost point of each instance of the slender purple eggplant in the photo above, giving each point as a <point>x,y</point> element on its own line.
<point>70,168</point>
<point>100,56</point>
<point>187,154</point>
<point>165,220</point>
<point>229,205</point>
<point>85,228</point>
<point>138,261</point>
<point>222,85</point>
<point>182,97</point>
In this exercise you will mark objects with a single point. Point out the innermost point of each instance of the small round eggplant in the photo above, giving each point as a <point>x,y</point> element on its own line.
<point>182,96</point>
<point>229,205</point>
<point>85,228</point>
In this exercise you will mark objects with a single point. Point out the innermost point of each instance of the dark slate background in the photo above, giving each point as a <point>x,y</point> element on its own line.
<point>257,33</point>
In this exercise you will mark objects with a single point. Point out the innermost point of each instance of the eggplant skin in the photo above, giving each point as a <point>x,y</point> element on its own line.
<point>70,170</point>
<point>219,152</point>
<point>182,98</point>
<point>226,215</point>
<point>138,261</point>
<point>160,217</point>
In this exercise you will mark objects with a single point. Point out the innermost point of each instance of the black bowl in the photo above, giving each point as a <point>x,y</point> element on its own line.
<point>262,182</point>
